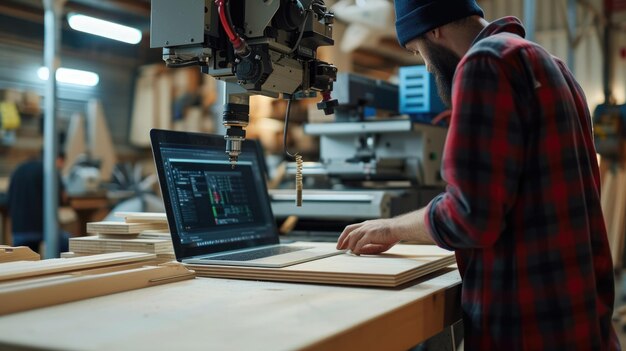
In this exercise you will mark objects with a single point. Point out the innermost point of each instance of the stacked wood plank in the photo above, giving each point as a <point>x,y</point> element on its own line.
<point>142,217</point>
<point>20,253</point>
<point>26,285</point>
<point>140,232</point>
<point>103,244</point>
<point>122,228</point>
<point>400,265</point>
<point>25,269</point>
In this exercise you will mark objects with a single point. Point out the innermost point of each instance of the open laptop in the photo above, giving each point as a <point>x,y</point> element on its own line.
<point>218,214</point>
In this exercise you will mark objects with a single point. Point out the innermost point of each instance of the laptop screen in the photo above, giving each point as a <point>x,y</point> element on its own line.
<point>211,206</point>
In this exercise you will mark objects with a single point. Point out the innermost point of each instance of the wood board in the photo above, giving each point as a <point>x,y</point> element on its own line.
<point>161,258</point>
<point>142,217</point>
<point>95,244</point>
<point>613,201</point>
<point>101,145</point>
<point>123,228</point>
<point>401,264</point>
<point>75,145</point>
<point>20,253</point>
<point>616,238</point>
<point>70,254</point>
<point>144,234</point>
<point>155,234</point>
<point>145,111</point>
<point>27,269</point>
<point>39,292</point>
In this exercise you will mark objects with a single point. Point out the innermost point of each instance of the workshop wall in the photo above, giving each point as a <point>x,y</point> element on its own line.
<point>551,33</point>
<point>619,52</point>
<point>18,70</point>
<point>21,54</point>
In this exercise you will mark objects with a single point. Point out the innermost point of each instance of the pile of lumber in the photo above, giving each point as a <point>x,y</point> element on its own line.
<point>140,232</point>
<point>400,265</point>
<point>26,285</point>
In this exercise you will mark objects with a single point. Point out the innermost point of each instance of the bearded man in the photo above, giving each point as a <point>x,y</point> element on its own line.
<point>522,205</point>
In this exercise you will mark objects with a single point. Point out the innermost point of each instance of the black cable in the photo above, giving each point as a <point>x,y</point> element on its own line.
<point>285,129</point>
<point>319,7</point>
<point>181,64</point>
<point>295,47</point>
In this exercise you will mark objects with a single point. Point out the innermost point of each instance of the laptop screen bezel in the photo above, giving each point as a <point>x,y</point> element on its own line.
<point>159,137</point>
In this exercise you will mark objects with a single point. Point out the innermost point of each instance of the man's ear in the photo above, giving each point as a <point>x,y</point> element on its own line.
<point>436,33</point>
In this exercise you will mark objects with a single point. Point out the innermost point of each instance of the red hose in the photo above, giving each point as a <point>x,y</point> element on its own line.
<point>238,43</point>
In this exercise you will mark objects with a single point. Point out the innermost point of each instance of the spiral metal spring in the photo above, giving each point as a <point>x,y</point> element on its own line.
<point>298,180</point>
<point>295,156</point>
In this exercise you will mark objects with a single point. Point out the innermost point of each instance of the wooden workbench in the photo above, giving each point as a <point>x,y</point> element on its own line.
<point>222,314</point>
<point>89,208</point>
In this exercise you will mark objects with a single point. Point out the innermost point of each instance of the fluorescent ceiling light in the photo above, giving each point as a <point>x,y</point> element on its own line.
<point>104,28</point>
<point>71,76</point>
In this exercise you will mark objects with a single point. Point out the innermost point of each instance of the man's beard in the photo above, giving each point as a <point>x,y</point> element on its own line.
<point>443,62</point>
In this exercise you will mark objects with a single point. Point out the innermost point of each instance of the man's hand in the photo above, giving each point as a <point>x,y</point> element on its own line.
<point>377,236</point>
<point>369,237</point>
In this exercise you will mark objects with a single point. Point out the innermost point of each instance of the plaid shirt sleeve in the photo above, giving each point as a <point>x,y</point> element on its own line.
<point>482,160</point>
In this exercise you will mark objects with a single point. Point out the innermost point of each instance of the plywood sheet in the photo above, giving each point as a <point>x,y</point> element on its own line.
<point>164,91</point>
<point>142,217</point>
<point>94,244</point>
<point>26,269</point>
<point>145,111</point>
<point>102,147</point>
<point>123,228</point>
<point>38,292</point>
<point>155,234</point>
<point>75,145</point>
<point>401,264</point>
<point>619,219</point>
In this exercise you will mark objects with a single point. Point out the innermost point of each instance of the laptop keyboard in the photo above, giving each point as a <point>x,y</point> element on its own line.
<point>256,254</point>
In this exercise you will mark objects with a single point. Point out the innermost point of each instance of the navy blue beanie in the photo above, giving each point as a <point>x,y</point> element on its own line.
<point>416,17</point>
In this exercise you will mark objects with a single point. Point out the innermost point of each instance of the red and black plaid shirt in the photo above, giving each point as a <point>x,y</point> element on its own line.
<point>522,206</point>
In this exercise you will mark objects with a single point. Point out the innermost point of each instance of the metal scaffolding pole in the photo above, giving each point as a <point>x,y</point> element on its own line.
<point>52,38</point>
<point>608,63</point>
<point>530,13</point>
<point>607,40</point>
<point>572,22</point>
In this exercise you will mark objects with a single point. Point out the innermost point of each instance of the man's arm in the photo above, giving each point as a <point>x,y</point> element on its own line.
<point>482,164</point>
<point>376,236</point>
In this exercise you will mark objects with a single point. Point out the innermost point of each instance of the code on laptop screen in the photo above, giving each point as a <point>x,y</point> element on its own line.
<point>214,203</point>
<point>214,194</point>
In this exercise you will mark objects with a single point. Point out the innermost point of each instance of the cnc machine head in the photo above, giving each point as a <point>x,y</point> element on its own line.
<point>264,47</point>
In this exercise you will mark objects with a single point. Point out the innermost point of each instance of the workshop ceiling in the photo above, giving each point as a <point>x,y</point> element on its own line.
<point>134,13</point>
<point>379,52</point>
